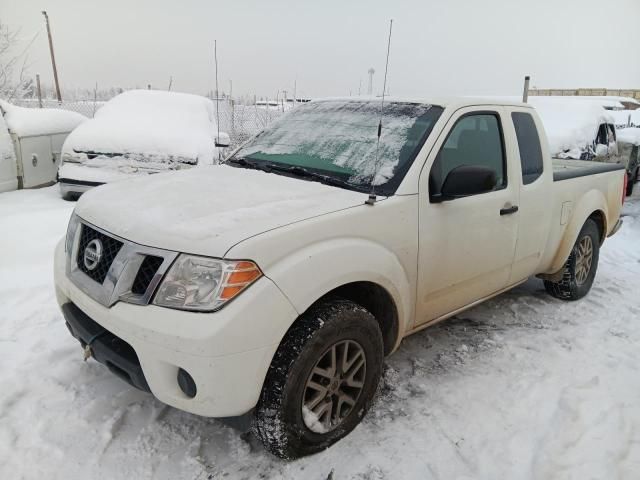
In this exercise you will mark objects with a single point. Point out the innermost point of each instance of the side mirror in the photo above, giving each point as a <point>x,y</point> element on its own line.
<point>223,140</point>
<point>466,180</point>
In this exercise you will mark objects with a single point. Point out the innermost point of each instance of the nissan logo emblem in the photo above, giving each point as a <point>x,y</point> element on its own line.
<point>92,254</point>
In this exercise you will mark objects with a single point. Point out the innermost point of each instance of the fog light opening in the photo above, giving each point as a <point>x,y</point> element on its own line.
<point>186,383</point>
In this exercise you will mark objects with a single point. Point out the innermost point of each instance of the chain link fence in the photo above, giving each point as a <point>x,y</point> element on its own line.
<point>240,122</point>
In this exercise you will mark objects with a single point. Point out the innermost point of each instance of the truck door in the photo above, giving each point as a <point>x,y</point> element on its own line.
<point>466,245</point>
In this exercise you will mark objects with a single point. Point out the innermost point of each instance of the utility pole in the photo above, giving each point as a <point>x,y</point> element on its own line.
<point>525,93</point>
<point>53,58</point>
<point>39,90</point>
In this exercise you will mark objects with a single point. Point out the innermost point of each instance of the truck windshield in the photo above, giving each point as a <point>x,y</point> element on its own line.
<point>338,139</point>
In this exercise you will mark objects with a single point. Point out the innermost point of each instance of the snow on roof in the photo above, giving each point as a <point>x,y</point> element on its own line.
<point>629,135</point>
<point>443,101</point>
<point>622,117</point>
<point>571,125</point>
<point>605,102</point>
<point>149,122</point>
<point>611,100</point>
<point>26,122</point>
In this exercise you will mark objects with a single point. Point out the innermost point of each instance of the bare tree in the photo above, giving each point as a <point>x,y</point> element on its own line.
<point>14,80</point>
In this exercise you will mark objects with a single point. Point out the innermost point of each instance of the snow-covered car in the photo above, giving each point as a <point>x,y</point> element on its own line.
<point>581,128</point>
<point>30,143</point>
<point>629,148</point>
<point>274,285</point>
<point>140,132</point>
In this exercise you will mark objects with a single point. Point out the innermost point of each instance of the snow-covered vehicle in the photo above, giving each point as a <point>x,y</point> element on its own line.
<point>274,285</point>
<point>30,143</point>
<point>580,128</point>
<point>140,132</point>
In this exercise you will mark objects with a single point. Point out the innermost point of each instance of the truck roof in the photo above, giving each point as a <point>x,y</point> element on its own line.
<point>443,101</point>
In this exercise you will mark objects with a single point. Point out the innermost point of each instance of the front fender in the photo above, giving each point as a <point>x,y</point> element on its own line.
<point>307,274</point>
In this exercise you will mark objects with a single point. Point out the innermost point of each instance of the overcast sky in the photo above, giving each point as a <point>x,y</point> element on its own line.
<point>438,47</point>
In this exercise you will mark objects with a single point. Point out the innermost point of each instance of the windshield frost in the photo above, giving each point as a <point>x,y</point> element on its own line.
<point>339,138</point>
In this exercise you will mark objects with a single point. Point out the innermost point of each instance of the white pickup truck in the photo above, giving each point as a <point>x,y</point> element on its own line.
<point>274,285</point>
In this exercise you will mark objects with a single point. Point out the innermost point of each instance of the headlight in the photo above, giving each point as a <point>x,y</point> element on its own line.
<point>74,221</point>
<point>203,283</point>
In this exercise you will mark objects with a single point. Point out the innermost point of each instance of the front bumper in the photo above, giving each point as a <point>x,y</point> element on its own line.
<point>227,353</point>
<point>75,188</point>
<point>111,351</point>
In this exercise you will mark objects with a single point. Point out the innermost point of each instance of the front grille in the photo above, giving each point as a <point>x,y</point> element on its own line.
<point>110,248</point>
<point>147,270</point>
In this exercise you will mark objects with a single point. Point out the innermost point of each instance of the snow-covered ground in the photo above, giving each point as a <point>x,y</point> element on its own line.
<point>522,387</point>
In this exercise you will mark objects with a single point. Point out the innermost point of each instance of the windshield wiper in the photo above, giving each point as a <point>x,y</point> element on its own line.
<point>247,164</point>
<point>326,179</point>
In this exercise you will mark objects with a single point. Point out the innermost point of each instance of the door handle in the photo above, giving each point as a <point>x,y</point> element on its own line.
<point>509,210</point>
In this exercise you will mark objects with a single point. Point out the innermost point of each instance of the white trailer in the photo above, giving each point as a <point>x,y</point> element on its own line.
<point>30,144</point>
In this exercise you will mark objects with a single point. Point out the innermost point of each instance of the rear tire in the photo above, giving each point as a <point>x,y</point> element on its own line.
<point>632,181</point>
<point>580,269</point>
<point>291,417</point>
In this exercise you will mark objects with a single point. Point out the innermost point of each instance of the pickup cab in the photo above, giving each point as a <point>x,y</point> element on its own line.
<point>274,285</point>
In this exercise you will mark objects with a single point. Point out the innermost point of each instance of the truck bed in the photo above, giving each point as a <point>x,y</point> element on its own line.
<point>567,169</point>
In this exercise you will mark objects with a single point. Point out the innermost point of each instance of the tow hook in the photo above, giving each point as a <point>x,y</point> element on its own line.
<point>88,353</point>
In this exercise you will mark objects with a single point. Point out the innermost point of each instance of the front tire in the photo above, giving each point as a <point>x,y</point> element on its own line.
<point>580,269</point>
<point>321,381</point>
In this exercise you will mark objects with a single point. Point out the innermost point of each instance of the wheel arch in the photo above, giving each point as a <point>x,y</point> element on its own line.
<point>592,206</point>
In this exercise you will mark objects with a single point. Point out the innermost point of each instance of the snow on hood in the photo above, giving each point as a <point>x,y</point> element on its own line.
<point>150,124</point>
<point>26,122</point>
<point>207,211</point>
<point>571,124</point>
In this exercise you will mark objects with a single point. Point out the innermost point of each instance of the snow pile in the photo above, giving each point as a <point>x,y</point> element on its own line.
<point>343,133</point>
<point>571,123</point>
<point>26,122</point>
<point>149,125</point>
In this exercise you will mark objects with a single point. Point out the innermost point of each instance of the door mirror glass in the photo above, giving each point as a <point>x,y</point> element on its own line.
<point>466,180</point>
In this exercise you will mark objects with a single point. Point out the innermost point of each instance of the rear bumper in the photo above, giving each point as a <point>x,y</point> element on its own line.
<point>227,353</point>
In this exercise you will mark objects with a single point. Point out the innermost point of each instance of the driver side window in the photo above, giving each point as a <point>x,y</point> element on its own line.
<point>475,139</point>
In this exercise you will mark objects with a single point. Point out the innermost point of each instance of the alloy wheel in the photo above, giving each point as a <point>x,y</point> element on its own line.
<point>334,386</point>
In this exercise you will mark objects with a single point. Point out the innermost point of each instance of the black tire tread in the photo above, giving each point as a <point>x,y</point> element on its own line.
<point>566,288</point>
<point>269,425</point>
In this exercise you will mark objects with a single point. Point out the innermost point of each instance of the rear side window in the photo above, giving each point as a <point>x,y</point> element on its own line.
<point>529,145</point>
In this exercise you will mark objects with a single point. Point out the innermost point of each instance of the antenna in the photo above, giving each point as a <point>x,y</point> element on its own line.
<point>372,196</point>
<point>215,56</point>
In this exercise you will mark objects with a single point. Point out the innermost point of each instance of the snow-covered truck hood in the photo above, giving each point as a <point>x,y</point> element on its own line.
<point>207,211</point>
